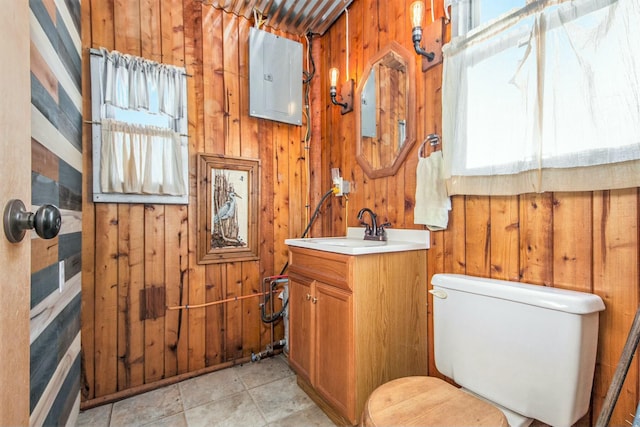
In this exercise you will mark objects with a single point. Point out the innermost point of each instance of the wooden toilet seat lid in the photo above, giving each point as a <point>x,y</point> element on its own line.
<point>427,401</point>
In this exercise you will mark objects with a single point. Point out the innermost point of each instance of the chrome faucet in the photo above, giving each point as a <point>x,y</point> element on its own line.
<point>372,231</point>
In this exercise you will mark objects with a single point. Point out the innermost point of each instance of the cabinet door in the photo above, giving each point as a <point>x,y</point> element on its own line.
<point>300,326</point>
<point>335,351</point>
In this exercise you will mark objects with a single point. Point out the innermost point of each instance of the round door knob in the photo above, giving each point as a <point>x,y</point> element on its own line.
<point>46,221</point>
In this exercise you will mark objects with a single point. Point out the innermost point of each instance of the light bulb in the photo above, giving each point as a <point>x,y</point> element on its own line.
<point>417,10</point>
<point>333,77</point>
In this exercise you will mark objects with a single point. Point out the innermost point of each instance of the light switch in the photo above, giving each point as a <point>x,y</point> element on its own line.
<point>60,275</point>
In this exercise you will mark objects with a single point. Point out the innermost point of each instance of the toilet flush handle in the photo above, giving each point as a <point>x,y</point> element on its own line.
<point>438,293</point>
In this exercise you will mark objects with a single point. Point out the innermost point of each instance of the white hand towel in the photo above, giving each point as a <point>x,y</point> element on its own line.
<point>432,202</point>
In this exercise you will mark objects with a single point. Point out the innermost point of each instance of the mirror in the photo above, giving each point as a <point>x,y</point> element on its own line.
<point>385,111</point>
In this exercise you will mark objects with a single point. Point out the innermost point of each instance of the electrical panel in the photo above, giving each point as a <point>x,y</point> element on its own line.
<point>275,77</point>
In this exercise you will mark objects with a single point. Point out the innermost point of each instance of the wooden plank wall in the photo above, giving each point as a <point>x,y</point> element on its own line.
<point>130,247</point>
<point>56,178</point>
<point>583,241</point>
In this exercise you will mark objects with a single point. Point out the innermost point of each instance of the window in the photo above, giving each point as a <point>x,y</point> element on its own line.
<point>468,14</point>
<point>544,97</point>
<point>140,148</point>
<point>489,10</point>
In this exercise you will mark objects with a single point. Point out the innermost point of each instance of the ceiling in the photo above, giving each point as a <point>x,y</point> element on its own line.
<point>298,17</point>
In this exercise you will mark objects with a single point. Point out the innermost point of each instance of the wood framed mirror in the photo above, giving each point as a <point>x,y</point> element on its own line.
<point>385,111</point>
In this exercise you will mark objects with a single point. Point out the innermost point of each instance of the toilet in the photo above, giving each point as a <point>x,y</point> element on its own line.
<point>519,352</point>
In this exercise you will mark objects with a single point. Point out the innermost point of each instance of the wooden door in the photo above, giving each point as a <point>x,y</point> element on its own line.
<point>15,258</point>
<point>300,326</point>
<point>335,352</point>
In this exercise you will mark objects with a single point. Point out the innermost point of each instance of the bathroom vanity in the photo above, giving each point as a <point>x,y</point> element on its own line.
<point>357,316</point>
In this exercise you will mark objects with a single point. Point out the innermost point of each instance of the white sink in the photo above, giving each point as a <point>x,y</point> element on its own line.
<point>353,243</point>
<point>346,242</point>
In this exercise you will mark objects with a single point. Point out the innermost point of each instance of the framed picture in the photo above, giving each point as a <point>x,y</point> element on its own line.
<point>228,197</point>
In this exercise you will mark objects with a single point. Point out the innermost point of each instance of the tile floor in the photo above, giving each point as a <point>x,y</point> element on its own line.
<point>262,393</point>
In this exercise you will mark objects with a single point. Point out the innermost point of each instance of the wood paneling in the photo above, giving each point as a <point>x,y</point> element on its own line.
<point>193,40</point>
<point>154,262</point>
<point>130,283</point>
<point>56,177</point>
<point>615,279</point>
<point>582,241</point>
<point>88,222</point>
<point>176,275</point>
<point>131,247</point>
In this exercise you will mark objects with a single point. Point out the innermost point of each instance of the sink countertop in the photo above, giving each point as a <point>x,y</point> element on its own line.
<point>398,240</point>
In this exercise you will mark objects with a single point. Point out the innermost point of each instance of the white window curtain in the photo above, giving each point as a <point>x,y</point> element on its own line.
<point>126,81</point>
<point>140,159</point>
<point>545,99</point>
<point>141,153</point>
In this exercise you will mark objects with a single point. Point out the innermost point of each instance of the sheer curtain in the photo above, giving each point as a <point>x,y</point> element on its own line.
<point>141,153</point>
<point>546,98</point>
<point>126,81</point>
<point>140,159</point>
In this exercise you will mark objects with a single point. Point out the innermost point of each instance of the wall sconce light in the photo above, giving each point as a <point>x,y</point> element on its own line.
<point>417,11</point>
<point>346,92</point>
<point>432,54</point>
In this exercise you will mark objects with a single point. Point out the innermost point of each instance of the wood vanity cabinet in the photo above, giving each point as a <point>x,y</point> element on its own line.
<point>355,322</point>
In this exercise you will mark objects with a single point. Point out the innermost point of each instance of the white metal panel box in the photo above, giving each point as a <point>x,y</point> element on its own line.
<point>275,77</point>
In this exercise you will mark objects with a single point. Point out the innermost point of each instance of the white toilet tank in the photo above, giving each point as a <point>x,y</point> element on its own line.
<point>528,348</point>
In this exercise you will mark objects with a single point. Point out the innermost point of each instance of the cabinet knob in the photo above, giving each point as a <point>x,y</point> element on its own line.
<point>314,300</point>
<point>308,297</point>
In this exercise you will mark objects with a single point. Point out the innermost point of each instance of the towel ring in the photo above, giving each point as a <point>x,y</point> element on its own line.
<point>433,139</point>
